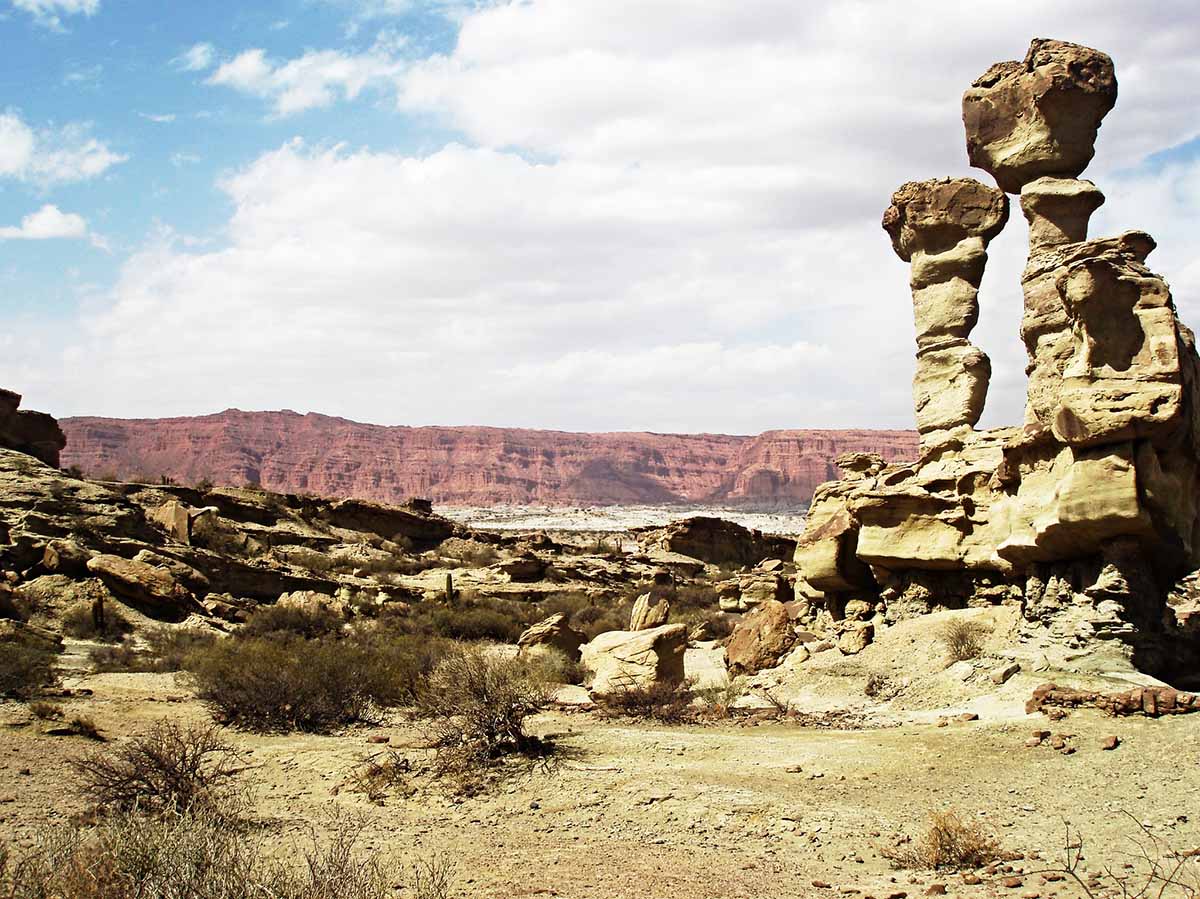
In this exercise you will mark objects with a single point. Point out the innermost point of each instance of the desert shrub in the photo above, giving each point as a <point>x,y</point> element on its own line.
<point>124,656</point>
<point>282,684</point>
<point>719,700</point>
<point>475,619</point>
<point>659,701</point>
<point>304,557</point>
<point>879,686</point>
<point>380,773</point>
<point>78,621</point>
<point>396,666</point>
<point>595,620</point>
<point>716,624</point>
<point>193,856</point>
<point>46,711</point>
<point>432,878</point>
<point>948,842</point>
<point>695,596</point>
<point>470,557</point>
<point>82,726</point>
<point>25,670</point>
<point>167,768</point>
<point>169,647</point>
<point>553,666</point>
<point>962,638</point>
<point>475,704</point>
<point>308,622</point>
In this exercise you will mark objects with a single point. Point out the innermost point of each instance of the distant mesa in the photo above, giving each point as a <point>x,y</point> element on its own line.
<point>472,466</point>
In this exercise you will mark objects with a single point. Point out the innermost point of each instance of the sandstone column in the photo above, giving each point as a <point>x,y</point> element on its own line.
<point>942,227</point>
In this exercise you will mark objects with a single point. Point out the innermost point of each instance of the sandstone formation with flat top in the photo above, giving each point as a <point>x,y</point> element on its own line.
<point>1087,513</point>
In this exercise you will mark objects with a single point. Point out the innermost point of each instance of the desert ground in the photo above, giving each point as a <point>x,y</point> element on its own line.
<point>750,806</point>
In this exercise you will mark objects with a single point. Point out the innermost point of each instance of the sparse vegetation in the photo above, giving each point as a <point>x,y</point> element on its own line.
<point>475,706</point>
<point>198,855</point>
<point>308,622</point>
<point>89,621</point>
<point>963,638</point>
<point>949,842</point>
<point>659,701</point>
<point>169,768</point>
<point>25,670</point>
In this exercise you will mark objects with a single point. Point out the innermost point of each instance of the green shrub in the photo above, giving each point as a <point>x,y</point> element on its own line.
<point>25,670</point>
<point>80,621</point>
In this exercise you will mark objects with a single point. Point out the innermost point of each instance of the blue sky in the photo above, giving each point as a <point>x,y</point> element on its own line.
<point>576,214</point>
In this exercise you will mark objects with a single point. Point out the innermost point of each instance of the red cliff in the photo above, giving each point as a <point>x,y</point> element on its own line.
<point>288,452</point>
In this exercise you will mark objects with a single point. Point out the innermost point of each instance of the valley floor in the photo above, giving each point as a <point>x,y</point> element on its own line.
<point>642,810</point>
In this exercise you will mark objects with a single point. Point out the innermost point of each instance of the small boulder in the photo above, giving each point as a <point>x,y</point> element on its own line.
<point>620,660</point>
<point>856,638</point>
<point>553,633</point>
<point>761,640</point>
<point>524,569</point>
<point>646,615</point>
<point>1004,672</point>
<point>172,517</point>
<point>143,584</point>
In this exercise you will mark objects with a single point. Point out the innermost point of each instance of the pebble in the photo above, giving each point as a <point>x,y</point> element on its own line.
<point>936,889</point>
<point>1012,883</point>
<point>1110,743</point>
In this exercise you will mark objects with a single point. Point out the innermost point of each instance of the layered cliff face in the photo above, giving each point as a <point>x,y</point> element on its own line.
<point>1086,513</point>
<point>318,454</point>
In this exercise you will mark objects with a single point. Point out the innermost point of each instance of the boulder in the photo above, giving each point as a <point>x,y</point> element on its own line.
<point>66,557</point>
<point>1037,117</point>
<point>314,603</point>
<point>21,633</point>
<point>525,568</point>
<point>719,542</point>
<point>172,516</point>
<point>646,615</point>
<point>761,639</point>
<point>621,660</point>
<point>856,638</point>
<point>146,586</point>
<point>555,633</point>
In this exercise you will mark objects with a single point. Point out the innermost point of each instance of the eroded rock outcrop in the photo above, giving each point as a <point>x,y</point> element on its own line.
<point>624,660</point>
<point>1087,512</point>
<point>34,433</point>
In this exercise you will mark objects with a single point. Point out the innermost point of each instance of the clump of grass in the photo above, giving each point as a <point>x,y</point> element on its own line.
<point>949,842</point>
<point>46,711</point>
<point>962,638</point>
<point>167,768</point>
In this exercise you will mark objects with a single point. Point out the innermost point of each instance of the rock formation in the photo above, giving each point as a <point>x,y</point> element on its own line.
<point>34,433</point>
<point>1086,514</point>
<point>318,454</point>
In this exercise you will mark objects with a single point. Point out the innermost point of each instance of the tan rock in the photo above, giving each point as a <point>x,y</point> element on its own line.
<point>1039,117</point>
<point>856,638</point>
<point>172,517</point>
<point>646,615</point>
<point>761,640</point>
<point>553,632</point>
<point>147,586</point>
<point>620,660</point>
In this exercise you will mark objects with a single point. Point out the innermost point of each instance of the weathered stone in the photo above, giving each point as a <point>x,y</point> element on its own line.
<point>553,632</point>
<point>144,585</point>
<point>620,660</point>
<point>525,568</point>
<point>761,639</point>
<point>1039,117</point>
<point>719,542</point>
<point>856,638</point>
<point>34,433</point>
<point>646,615</point>
<point>172,516</point>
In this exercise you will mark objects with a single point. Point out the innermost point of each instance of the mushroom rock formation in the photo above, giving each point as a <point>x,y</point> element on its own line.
<point>942,227</point>
<point>1088,512</point>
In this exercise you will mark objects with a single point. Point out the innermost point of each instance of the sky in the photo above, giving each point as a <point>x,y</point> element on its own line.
<point>573,214</point>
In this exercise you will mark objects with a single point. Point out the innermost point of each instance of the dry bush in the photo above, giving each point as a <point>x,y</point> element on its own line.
<point>963,638</point>
<point>307,622</point>
<point>432,878</point>
<point>593,621</point>
<point>79,621</point>
<point>880,686</point>
<point>475,704</point>
<point>46,711</point>
<point>167,649</point>
<point>949,842</point>
<point>167,768</point>
<point>192,856</point>
<point>82,726</point>
<point>658,701</point>
<point>553,666</point>
<point>284,684</point>
<point>124,656</point>
<point>25,670</point>
<point>475,619</point>
<point>376,775</point>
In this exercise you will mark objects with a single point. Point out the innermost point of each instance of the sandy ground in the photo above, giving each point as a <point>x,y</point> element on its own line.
<point>641,810</point>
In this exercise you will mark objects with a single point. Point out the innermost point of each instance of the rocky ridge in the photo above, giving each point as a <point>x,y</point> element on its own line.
<point>292,453</point>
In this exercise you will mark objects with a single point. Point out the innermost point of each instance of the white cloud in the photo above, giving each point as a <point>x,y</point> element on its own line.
<point>161,119</point>
<point>49,13</point>
<point>656,218</point>
<point>51,156</point>
<point>316,79</point>
<point>196,58</point>
<point>180,159</point>
<point>47,223</point>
